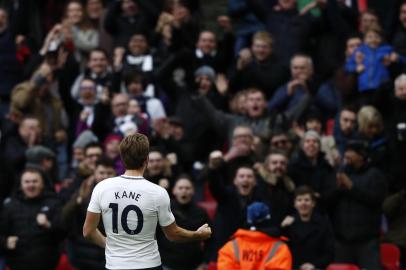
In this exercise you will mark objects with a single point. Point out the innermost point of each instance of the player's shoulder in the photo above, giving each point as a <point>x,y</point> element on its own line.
<point>154,187</point>
<point>106,183</point>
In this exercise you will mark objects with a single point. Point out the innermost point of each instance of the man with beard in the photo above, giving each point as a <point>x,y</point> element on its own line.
<point>276,185</point>
<point>345,128</point>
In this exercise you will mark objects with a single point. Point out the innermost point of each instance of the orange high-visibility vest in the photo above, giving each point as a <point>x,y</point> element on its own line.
<point>254,250</point>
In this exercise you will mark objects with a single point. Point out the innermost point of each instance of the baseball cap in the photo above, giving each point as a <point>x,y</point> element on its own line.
<point>258,212</point>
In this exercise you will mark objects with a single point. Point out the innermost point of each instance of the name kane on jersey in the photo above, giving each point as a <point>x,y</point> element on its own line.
<point>130,195</point>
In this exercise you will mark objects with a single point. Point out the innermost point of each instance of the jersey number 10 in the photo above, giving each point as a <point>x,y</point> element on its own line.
<point>124,215</point>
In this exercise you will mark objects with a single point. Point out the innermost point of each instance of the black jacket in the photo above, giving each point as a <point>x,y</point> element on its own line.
<point>290,31</point>
<point>183,256</point>
<point>37,247</point>
<point>312,241</point>
<point>357,212</point>
<point>397,143</point>
<point>82,253</point>
<point>191,59</point>
<point>267,76</point>
<point>122,27</point>
<point>319,177</point>
<point>278,198</point>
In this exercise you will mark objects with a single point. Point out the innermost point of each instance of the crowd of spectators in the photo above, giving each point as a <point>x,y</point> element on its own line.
<point>299,104</point>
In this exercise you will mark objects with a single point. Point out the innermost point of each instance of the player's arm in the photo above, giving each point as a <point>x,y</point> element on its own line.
<point>177,234</point>
<point>90,231</point>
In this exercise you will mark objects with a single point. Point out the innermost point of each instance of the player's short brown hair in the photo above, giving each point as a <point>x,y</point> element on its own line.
<point>134,150</point>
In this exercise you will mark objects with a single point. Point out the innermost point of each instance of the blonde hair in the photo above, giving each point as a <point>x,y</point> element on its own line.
<point>367,116</point>
<point>264,36</point>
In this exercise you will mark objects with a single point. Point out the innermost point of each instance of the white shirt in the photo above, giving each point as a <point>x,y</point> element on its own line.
<point>131,207</point>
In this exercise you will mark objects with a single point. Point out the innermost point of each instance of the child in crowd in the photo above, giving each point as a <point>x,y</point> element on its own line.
<point>371,60</point>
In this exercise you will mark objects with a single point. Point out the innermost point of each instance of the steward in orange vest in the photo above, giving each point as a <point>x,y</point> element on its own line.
<point>259,248</point>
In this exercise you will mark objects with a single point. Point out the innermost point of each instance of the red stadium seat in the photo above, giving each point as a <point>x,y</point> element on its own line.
<point>390,256</point>
<point>64,263</point>
<point>212,266</point>
<point>330,126</point>
<point>342,266</point>
<point>207,193</point>
<point>210,207</point>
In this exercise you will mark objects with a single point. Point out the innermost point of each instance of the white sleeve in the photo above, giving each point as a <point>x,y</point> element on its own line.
<point>74,90</point>
<point>94,204</point>
<point>165,216</point>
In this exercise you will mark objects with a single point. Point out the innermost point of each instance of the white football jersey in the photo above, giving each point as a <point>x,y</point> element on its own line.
<point>131,207</point>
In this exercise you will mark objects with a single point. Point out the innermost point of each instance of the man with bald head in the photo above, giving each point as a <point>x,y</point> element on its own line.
<point>298,89</point>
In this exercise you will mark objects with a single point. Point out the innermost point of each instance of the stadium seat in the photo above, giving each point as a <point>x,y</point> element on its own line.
<point>342,266</point>
<point>212,266</point>
<point>390,256</point>
<point>207,193</point>
<point>210,207</point>
<point>64,263</point>
<point>330,127</point>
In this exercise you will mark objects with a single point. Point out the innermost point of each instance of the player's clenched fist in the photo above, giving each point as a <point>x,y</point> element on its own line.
<point>204,232</point>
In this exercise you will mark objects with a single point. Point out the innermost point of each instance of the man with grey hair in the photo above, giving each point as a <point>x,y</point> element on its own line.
<point>241,150</point>
<point>400,87</point>
<point>299,88</point>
